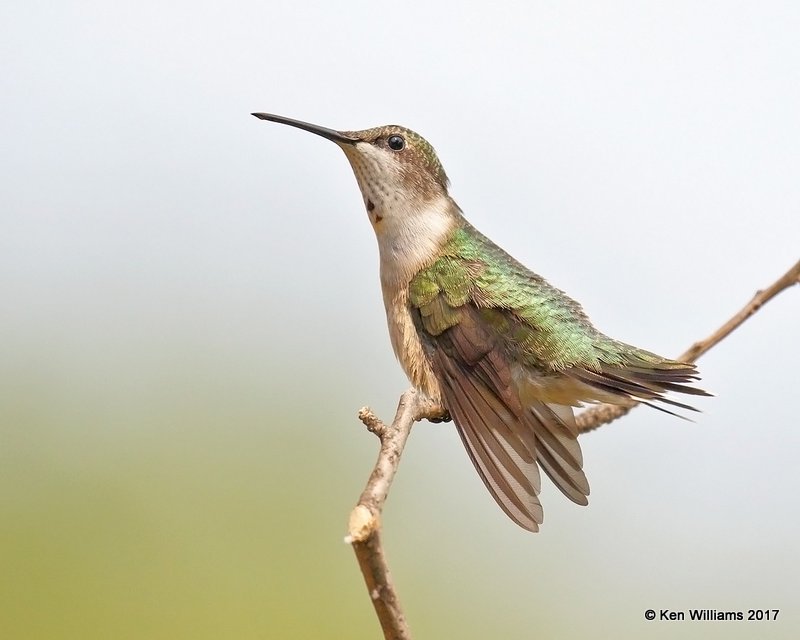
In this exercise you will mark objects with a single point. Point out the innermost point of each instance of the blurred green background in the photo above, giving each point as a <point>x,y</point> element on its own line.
<point>190,315</point>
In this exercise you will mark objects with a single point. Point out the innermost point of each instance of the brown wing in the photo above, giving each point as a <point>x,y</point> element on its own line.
<point>504,436</point>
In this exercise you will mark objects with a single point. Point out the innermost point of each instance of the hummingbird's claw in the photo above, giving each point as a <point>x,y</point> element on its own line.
<point>445,417</point>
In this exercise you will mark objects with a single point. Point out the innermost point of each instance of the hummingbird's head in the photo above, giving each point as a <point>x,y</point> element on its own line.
<point>397,169</point>
<point>394,165</point>
<point>405,192</point>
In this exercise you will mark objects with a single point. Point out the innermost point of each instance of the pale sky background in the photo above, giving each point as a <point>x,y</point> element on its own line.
<point>191,316</point>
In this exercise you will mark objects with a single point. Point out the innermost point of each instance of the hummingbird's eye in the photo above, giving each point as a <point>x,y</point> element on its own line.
<point>396,143</point>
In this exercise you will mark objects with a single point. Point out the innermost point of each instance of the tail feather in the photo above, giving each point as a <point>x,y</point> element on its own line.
<point>644,380</point>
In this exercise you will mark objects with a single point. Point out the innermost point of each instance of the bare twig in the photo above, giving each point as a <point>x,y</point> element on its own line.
<point>364,530</point>
<point>364,527</point>
<point>604,413</point>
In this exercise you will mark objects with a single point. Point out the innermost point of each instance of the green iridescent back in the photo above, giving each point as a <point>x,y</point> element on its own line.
<point>538,322</point>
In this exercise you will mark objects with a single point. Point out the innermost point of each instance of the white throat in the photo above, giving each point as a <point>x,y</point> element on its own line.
<point>410,231</point>
<point>410,238</point>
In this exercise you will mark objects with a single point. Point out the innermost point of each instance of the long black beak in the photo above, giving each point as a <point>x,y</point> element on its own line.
<point>330,134</point>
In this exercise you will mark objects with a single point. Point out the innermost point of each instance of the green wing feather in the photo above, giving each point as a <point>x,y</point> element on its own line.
<point>513,355</point>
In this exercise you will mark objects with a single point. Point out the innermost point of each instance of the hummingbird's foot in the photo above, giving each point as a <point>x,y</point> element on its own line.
<point>444,417</point>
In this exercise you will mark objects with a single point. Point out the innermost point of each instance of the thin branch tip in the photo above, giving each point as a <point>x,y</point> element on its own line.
<point>373,423</point>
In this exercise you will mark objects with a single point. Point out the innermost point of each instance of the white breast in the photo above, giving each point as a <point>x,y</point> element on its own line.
<point>410,241</point>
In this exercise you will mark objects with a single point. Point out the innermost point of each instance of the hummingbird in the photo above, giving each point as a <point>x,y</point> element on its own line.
<point>505,353</point>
